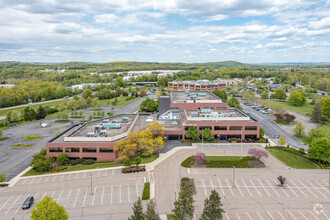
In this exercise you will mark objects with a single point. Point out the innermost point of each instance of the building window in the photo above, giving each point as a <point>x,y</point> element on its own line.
<point>250,128</point>
<point>204,127</point>
<point>235,128</point>
<point>55,149</point>
<point>220,128</point>
<point>221,108</point>
<point>72,150</point>
<point>89,150</point>
<point>186,128</point>
<point>106,150</point>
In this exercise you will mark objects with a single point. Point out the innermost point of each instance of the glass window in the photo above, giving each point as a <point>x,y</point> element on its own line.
<point>55,149</point>
<point>72,150</point>
<point>106,150</point>
<point>250,128</point>
<point>235,128</point>
<point>220,128</point>
<point>89,150</point>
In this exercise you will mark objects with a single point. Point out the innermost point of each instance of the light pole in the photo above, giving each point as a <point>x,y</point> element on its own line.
<point>202,141</point>
<point>241,140</point>
<point>91,183</point>
<point>45,166</point>
<point>233,176</point>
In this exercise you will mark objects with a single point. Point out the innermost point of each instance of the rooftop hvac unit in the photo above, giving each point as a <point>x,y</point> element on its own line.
<point>111,125</point>
<point>232,114</point>
<point>221,115</point>
<point>90,134</point>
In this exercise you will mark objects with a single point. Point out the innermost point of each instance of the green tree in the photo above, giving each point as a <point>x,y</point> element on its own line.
<point>26,113</point>
<point>137,211</point>
<point>315,133</point>
<point>297,97</point>
<point>127,162</point>
<point>261,132</point>
<point>207,134</point>
<point>41,113</point>
<point>151,213</point>
<point>1,133</point>
<point>120,82</point>
<point>317,112</point>
<point>102,113</point>
<point>162,81</point>
<point>62,158</point>
<point>279,93</point>
<point>192,133</point>
<point>325,102</point>
<point>8,117</point>
<point>48,209</point>
<point>234,102</point>
<point>90,117</point>
<point>15,116</point>
<point>212,207</point>
<point>264,95</point>
<point>137,161</point>
<point>320,149</point>
<point>87,93</point>
<point>299,129</point>
<point>2,177</point>
<point>221,94</point>
<point>184,207</point>
<point>281,140</point>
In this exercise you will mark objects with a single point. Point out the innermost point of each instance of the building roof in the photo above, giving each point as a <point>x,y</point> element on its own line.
<point>189,96</point>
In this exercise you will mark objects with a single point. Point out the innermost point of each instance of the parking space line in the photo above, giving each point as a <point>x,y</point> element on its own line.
<point>322,186</point>
<point>238,188</point>
<point>281,215</point>
<point>260,216</point>
<point>315,188</point>
<point>94,196</point>
<point>24,181</point>
<point>12,204</point>
<point>324,214</point>
<point>98,174</point>
<point>113,172</point>
<point>247,188</point>
<point>137,191</point>
<point>249,216</point>
<point>62,177</point>
<point>59,198</point>
<point>255,187</point>
<point>270,215</point>
<point>54,178</point>
<point>39,180</point>
<point>204,187</point>
<point>31,181</point>
<point>211,183</point>
<point>292,190</point>
<point>314,215</point>
<point>283,190</point>
<point>111,193</point>
<point>299,189</point>
<point>67,197</point>
<point>6,203</point>
<point>83,175</point>
<point>262,185</point>
<point>69,176</point>
<point>227,216</point>
<point>102,196</point>
<point>230,187</point>
<point>76,198</point>
<point>292,215</point>
<point>78,175</point>
<point>43,195</point>
<point>129,199</point>
<point>272,188</point>
<point>105,174</point>
<point>83,205</point>
<point>238,216</point>
<point>221,187</point>
<point>302,215</point>
<point>46,179</point>
<point>119,194</point>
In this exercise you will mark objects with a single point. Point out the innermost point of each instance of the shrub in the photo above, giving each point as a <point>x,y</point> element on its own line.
<point>187,162</point>
<point>62,158</point>
<point>104,161</point>
<point>88,162</point>
<point>146,191</point>
<point>302,150</point>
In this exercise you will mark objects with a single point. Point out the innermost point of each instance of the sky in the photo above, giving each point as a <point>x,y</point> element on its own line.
<point>248,31</point>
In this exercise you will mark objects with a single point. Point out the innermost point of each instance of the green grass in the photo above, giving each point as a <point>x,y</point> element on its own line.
<point>22,145</point>
<point>121,101</point>
<point>146,191</point>
<point>305,139</point>
<point>149,159</point>
<point>62,121</point>
<point>3,138</point>
<point>222,161</point>
<point>282,122</point>
<point>187,162</point>
<point>304,109</point>
<point>31,137</point>
<point>326,130</point>
<point>292,160</point>
<point>35,107</point>
<point>170,217</point>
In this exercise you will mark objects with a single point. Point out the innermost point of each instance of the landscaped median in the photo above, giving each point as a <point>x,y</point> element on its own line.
<point>22,145</point>
<point>146,191</point>
<point>31,137</point>
<point>294,158</point>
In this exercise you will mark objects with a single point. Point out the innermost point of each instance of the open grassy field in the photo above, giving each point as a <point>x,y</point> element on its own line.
<point>121,101</point>
<point>223,161</point>
<point>293,160</point>
<point>304,109</point>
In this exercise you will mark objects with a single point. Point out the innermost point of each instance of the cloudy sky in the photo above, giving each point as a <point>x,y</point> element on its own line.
<point>250,31</point>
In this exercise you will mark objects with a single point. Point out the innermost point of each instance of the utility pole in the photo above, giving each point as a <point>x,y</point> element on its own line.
<point>91,183</point>
<point>241,141</point>
<point>45,166</point>
<point>202,141</point>
<point>234,177</point>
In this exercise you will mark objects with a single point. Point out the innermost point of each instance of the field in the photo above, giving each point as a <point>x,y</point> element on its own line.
<point>223,161</point>
<point>121,101</point>
<point>304,109</point>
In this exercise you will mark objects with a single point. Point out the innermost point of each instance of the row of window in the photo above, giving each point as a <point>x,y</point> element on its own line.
<point>77,150</point>
<point>225,128</point>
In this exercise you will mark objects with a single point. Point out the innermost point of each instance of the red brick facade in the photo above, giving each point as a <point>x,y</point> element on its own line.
<point>178,86</point>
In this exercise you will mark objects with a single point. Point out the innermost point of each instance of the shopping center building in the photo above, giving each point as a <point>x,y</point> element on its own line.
<point>199,85</point>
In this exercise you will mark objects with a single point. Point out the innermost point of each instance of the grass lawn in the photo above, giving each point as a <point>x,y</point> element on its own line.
<point>304,109</point>
<point>121,101</point>
<point>292,160</point>
<point>3,138</point>
<point>62,121</point>
<point>31,137</point>
<point>326,130</point>
<point>305,139</point>
<point>223,161</point>
<point>146,191</point>
<point>282,122</point>
<point>22,145</point>
<point>35,107</point>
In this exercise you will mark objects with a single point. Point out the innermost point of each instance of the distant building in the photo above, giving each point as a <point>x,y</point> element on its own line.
<point>275,86</point>
<point>6,85</point>
<point>229,81</point>
<point>199,85</point>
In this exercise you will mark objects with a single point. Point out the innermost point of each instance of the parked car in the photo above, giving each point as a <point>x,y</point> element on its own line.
<point>28,202</point>
<point>43,125</point>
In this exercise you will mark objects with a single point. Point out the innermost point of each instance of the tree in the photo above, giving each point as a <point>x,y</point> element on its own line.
<point>258,153</point>
<point>8,117</point>
<point>192,133</point>
<point>234,102</point>
<point>317,112</point>
<point>264,95</point>
<point>279,93</point>
<point>220,93</point>
<point>297,97</point>
<point>127,162</point>
<point>87,93</point>
<point>2,177</point>
<point>199,158</point>
<point>1,133</point>
<point>151,213</point>
<point>261,132</point>
<point>26,113</point>
<point>149,105</point>
<point>212,207</point>
<point>207,134</point>
<point>90,117</point>
<point>156,129</point>
<point>315,133</point>
<point>137,211</point>
<point>15,116</point>
<point>299,129</point>
<point>282,180</point>
<point>162,81</point>
<point>137,161</point>
<point>184,207</point>
<point>48,209</point>
<point>41,113</point>
<point>250,96</point>
<point>320,149</point>
<point>281,140</point>
<point>62,158</point>
<point>325,102</point>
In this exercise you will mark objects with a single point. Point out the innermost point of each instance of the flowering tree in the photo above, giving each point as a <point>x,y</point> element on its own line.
<point>199,158</point>
<point>258,153</point>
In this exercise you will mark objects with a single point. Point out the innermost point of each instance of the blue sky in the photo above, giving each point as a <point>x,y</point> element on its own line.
<point>254,31</point>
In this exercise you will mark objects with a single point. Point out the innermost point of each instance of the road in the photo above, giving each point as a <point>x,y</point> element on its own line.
<point>15,160</point>
<point>272,129</point>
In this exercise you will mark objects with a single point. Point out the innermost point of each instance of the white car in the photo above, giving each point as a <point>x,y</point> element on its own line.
<point>43,125</point>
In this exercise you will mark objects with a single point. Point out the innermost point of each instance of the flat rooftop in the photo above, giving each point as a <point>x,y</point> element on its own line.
<point>190,96</point>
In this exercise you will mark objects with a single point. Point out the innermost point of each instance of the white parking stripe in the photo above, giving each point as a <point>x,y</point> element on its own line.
<point>76,198</point>
<point>221,188</point>
<point>12,204</point>
<point>238,188</point>
<point>62,177</point>
<point>230,187</point>
<point>292,190</point>
<point>69,176</point>
<point>98,174</point>
<point>68,197</point>
<point>204,187</point>
<point>83,205</point>
<point>39,180</point>
<point>315,188</point>
<point>263,187</point>
<point>43,195</point>
<point>247,188</point>
<point>238,216</point>
<point>299,189</point>
<point>314,215</point>
<point>31,181</point>
<point>255,188</point>
<point>211,184</point>
<point>102,196</point>
<point>119,194</point>
<point>105,174</point>
<point>129,199</point>
<point>78,175</point>
<point>53,194</point>
<point>303,215</point>
<point>94,196</point>
<point>46,179</point>
<point>54,178</point>
<point>111,193</point>
<point>281,215</point>
<point>324,214</point>
<point>270,215</point>
<point>283,190</point>
<point>292,215</point>
<point>6,203</point>
<point>113,172</point>
<point>249,216</point>
<point>227,216</point>
<point>137,191</point>
<point>272,188</point>
<point>259,215</point>
<point>322,186</point>
<point>59,198</point>
<point>83,175</point>
<point>24,181</point>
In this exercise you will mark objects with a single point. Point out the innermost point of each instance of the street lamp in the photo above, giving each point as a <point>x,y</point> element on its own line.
<point>233,176</point>
<point>91,183</point>
<point>241,141</point>
<point>202,141</point>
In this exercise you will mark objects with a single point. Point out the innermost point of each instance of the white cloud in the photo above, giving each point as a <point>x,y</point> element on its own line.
<point>324,23</point>
<point>106,18</point>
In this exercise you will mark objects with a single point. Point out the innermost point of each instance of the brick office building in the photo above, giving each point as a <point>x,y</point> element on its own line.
<point>199,85</point>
